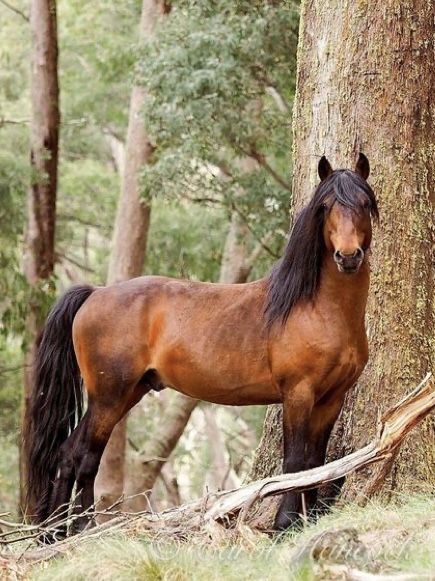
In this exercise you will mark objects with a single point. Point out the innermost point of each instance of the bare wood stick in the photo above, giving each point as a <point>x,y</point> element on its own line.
<point>393,427</point>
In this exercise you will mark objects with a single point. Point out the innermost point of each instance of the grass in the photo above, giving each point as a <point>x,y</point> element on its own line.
<point>129,560</point>
<point>398,537</point>
<point>9,477</point>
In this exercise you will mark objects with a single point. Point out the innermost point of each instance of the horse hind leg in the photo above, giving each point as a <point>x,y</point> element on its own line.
<point>87,456</point>
<point>62,486</point>
<point>103,414</point>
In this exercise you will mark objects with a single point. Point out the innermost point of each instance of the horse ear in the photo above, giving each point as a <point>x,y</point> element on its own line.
<point>324,168</point>
<point>362,166</point>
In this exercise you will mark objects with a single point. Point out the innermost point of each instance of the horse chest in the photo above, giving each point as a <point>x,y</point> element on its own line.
<point>327,356</point>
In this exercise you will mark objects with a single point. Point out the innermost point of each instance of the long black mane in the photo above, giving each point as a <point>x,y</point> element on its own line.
<point>296,276</point>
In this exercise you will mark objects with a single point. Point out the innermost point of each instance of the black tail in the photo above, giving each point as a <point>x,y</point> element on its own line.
<point>56,402</point>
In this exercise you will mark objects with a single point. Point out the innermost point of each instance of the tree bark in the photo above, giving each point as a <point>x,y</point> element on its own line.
<point>365,83</point>
<point>39,255</point>
<point>129,247</point>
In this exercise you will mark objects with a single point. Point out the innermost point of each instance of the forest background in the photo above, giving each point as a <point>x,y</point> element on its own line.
<point>176,158</point>
<point>219,84</point>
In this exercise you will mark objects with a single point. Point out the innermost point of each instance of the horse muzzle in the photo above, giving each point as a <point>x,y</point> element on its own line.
<point>349,263</point>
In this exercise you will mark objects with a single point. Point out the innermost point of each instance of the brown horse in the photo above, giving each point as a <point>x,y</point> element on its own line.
<point>295,337</point>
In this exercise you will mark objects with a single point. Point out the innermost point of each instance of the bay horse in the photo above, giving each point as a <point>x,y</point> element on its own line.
<point>295,337</point>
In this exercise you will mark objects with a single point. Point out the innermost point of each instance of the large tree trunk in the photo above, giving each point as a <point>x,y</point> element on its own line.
<point>365,82</point>
<point>129,248</point>
<point>39,253</point>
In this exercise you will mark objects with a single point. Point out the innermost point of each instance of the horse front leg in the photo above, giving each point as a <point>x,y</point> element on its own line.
<point>322,421</point>
<point>297,406</point>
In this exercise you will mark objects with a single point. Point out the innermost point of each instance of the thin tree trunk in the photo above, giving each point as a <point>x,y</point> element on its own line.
<point>234,267</point>
<point>170,482</point>
<point>39,255</point>
<point>129,248</point>
<point>365,82</point>
<point>158,448</point>
<point>221,475</point>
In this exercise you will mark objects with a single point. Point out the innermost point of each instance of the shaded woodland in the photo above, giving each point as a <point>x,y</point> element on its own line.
<point>183,139</point>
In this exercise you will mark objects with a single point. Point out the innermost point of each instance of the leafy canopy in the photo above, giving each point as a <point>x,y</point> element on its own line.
<point>220,83</point>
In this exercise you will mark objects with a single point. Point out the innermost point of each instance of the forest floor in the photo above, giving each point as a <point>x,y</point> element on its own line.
<point>378,541</point>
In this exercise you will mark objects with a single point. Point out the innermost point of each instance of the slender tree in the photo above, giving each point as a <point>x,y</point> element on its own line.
<point>39,255</point>
<point>365,83</point>
<point>129,245</point>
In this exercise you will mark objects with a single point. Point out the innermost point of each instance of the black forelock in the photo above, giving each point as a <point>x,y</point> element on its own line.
<point>342,186</point>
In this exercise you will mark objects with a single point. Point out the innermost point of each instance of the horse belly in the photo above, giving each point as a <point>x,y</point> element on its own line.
<point>239,395</point>
<point>229,380</point>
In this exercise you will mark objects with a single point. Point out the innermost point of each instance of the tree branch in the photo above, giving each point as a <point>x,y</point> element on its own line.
<point>73,218</point>
<point>60,255</point>
<point>4,121</point>
<point>260,241</point>
<point>16,10</point>
<point>260,158</point>
<point>11,369</point>
<point>279,99</point>
<point>258,249</point>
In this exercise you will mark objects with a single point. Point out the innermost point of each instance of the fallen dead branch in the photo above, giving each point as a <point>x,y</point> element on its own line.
<point>392,429</point>
<point>210,516</point>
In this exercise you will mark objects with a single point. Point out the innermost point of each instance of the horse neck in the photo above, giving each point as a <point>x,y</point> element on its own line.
<point>343,293</point>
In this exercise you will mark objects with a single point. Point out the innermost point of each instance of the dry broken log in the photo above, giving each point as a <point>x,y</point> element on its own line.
<point>393,427</point>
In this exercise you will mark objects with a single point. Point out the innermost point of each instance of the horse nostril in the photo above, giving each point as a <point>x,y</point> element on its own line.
<point>340,256</point>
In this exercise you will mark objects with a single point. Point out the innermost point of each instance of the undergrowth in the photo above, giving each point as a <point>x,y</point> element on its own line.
<point>378,538</point>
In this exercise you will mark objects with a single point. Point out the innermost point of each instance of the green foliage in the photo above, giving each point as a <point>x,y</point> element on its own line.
<point>185,241</point>
<point>13,289</point>
<point>9,473</point>
<point>220,83</point>
<point>97,42</point>
<point>14,168</point>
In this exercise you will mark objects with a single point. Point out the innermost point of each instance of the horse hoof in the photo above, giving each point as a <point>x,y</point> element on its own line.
<point>82,524</point>
<point>50,537</point>
<point>288,522</point>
